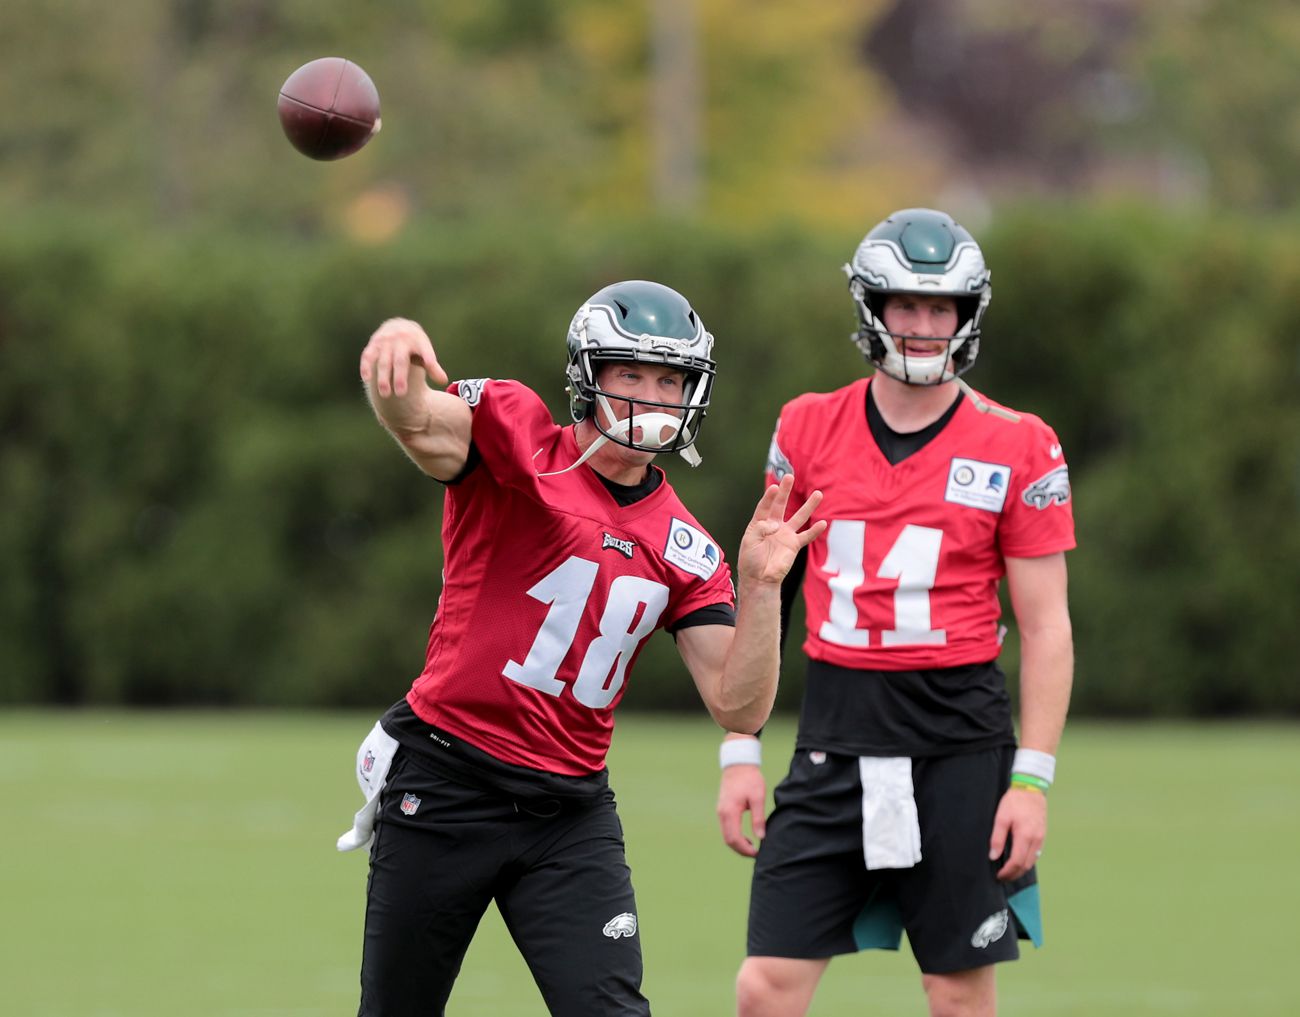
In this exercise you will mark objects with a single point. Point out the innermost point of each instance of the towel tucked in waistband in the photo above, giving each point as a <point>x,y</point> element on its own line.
<point>891,831</point>
<point>374,757</point>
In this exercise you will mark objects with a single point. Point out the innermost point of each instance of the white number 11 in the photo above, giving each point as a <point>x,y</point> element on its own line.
<point>913,561</point>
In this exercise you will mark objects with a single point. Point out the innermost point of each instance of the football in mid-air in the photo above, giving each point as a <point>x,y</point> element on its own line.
<point>329,108</point>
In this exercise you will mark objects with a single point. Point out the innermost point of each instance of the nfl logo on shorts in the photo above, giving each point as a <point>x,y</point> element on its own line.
<point>409,804</point>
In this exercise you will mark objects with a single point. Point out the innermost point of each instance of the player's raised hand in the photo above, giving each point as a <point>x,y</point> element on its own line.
<point>395,348</point>
<point>771,542</point>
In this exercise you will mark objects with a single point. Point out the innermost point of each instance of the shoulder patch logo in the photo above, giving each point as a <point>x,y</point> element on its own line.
<point>1051,488</point>
<point>691,550</point>
<point>471,390</point>
<point>621,925</point>
<point>991,930</point>
<point>777,463</point>
<point>977,484</point>
<point>623,547</point>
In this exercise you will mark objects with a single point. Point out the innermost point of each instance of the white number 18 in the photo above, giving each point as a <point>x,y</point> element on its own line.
<point>566,589</point>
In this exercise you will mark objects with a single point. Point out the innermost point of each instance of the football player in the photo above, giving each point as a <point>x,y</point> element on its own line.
<point>908,806</point>
<point>564,549</point>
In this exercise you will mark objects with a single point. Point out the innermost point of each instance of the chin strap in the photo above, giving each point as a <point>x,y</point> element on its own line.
<point>657,430</point>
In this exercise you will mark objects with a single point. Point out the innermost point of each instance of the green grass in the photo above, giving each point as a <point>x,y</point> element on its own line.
<point>183,864</point>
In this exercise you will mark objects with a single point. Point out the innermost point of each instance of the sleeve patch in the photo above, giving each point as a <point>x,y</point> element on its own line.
<point>777,463</point>
<point>471,390</point>
<point>691,550</point>
<point>1051,488</point>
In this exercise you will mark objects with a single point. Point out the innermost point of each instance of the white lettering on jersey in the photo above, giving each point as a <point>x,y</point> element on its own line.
<point>977,484</point>
<point>691,550</point>
<point>624,547</point>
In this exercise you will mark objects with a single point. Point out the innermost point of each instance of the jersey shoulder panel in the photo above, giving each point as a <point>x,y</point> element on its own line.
<point>510,425</point>
<point>1037,518</point>
<point>808,421</point>
<point>502,403</point>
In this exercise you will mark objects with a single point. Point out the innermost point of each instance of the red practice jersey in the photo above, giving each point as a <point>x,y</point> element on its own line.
<point>906,575</point>
<point>550,590</point>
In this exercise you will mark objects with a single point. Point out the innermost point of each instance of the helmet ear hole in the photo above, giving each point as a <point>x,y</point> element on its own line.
<point>966,308</point>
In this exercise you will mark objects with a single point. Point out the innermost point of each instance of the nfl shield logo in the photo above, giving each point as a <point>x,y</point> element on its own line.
<point>368,763</point>
<point>409,804</point>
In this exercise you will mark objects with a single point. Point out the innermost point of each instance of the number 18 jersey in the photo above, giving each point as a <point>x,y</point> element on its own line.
<point>906,575</point>
<point>550,590</point>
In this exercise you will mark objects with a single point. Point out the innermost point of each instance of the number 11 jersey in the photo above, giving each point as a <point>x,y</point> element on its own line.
<point>906,576</point>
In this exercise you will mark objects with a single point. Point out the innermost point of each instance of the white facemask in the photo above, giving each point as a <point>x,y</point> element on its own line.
<point>657,430</point>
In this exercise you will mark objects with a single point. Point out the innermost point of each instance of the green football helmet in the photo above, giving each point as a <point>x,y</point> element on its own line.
<point>651,324</point>
<point>919,250</point>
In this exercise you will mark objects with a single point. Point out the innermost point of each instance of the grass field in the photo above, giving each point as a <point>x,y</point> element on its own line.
<point>182,865</point>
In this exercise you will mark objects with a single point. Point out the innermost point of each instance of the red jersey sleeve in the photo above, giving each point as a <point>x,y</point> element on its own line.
<point>1039,516</point>
<point>510,425</point>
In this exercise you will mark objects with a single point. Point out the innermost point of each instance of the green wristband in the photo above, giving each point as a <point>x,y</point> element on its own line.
<point>1030,782</point>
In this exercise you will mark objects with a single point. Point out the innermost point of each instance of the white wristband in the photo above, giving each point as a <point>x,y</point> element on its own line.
<point>735,751</point>
<point>1035,763</point>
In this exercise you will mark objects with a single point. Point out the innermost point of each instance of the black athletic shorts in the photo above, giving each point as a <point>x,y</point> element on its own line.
<point>556,869</point>
<point>814,897</point>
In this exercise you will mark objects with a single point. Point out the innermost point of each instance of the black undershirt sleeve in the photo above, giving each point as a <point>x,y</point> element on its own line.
<point>710,614</point>
<point>790,586</point>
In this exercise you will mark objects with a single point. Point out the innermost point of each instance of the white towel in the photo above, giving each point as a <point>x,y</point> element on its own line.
<point>374,757</point>
<point>891,831</point>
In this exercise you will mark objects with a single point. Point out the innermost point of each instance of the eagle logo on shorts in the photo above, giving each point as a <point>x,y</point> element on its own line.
<point>621,925</point>
<point>991,930</point>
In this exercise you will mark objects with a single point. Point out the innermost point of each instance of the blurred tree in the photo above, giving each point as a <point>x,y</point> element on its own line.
<point>500,108</point>
<point>1222,77</point>
<point>1017,96</point>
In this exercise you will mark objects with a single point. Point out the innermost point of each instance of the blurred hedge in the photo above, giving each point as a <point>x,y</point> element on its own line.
<point>197,506</point>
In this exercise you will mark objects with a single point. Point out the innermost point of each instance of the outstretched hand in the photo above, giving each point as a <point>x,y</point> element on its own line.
<point>771,542</point>
<point>396,346</point>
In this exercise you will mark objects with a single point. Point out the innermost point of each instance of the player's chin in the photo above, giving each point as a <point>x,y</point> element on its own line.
<point>636,456</point>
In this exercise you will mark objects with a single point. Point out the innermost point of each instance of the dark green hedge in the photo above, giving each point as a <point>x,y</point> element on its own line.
<point>196,506</point>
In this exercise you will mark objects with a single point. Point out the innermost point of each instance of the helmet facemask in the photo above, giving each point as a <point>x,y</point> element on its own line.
<point>887,351</point>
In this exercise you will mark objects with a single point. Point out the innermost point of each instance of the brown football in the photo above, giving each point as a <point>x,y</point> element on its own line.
<point>329,108</point>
